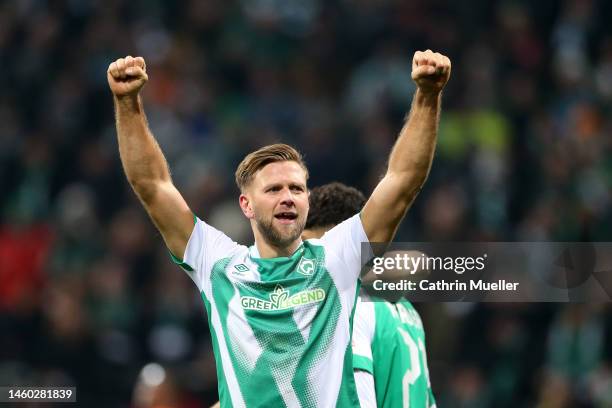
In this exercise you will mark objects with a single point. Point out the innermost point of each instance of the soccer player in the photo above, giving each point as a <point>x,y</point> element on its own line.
<point>279,311</point>
<point>388,338</point>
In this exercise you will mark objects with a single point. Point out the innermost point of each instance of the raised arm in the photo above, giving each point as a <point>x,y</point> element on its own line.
<point>143,161</point>
<point>413,152</point>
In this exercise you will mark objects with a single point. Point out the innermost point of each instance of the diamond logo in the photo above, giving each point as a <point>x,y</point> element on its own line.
<point>241,268</point>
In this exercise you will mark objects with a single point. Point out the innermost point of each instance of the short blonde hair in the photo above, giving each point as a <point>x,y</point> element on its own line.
<point>258,159</point>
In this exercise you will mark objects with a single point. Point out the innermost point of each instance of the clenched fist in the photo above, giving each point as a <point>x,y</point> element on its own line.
<point>430,71</point>
<point>127,76</point>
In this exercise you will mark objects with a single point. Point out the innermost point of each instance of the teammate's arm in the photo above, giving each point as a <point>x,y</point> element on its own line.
<point>143,161</point>
<point>411,157</point>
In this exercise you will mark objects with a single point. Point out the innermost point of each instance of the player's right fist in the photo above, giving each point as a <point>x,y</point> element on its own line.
<point>127,76</point>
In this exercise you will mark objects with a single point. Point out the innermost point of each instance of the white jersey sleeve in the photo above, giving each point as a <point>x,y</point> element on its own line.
<point>344,240</point>
<point>364,324</point>
<point>366,392</point>
<point>205,247</point>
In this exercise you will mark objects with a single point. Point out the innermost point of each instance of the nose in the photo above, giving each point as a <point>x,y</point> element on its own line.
<point>287,198</point>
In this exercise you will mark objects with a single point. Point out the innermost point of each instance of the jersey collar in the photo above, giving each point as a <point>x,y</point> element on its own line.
<point>254,253</point>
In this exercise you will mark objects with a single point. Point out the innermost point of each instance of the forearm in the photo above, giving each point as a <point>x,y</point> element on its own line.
<point>411,157</point>
<point>413,152</point>
<point>143,161</point>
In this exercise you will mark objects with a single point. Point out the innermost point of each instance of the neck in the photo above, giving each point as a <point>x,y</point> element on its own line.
<point>267,250</point>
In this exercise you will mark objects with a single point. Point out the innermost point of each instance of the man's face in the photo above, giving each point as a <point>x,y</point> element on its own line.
<point>277,202</point>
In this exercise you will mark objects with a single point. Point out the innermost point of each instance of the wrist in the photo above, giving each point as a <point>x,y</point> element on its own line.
<point>427,98</point>
<point>129,102</point>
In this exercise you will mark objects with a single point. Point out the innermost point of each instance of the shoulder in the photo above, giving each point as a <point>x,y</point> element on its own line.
<point>346,235</point>
<point>409,315</point>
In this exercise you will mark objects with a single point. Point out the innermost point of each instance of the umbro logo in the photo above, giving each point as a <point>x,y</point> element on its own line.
<point>241,268</point>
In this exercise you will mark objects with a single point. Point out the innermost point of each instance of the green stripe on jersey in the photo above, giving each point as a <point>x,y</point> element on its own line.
<point>222,385</point>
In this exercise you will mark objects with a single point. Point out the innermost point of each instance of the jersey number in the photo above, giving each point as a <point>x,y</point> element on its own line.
<point>414,371</point>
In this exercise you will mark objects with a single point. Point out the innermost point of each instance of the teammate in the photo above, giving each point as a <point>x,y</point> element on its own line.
<point>389,355</point>
<point>280,310</point>
<point>388,338</point>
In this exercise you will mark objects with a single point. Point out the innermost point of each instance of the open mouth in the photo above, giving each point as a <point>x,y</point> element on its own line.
<point>285,216</point>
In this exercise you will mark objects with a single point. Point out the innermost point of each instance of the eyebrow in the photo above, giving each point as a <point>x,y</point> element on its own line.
<point>291,184</point>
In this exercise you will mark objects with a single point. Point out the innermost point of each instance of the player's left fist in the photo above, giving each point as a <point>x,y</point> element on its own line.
<point>430,71</point>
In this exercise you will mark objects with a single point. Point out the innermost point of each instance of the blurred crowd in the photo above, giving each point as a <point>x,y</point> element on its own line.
<point>88,294</point>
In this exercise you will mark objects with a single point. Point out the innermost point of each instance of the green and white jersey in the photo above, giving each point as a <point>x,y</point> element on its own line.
<point>389,343</point>
<point>281,327</point>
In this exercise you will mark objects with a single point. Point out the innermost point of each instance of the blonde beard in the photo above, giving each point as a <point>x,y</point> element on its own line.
<point>274,237</point>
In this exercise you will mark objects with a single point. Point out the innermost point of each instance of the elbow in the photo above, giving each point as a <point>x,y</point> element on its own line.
<point>410,188</point>
<point>411,182</point>
<point>409,194</point>
<point>144,189</point>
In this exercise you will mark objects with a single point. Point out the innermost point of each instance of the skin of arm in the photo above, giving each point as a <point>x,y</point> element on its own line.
<point>143,161</point>
<point>412,155</point>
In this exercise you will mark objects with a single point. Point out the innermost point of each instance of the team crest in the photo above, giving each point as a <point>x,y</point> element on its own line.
<point>306,266</point>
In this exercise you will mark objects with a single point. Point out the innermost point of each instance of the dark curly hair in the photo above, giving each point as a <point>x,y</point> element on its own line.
<point>332,203</point>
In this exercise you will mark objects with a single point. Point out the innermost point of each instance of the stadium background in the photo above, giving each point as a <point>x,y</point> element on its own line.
<point>88,295</point>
